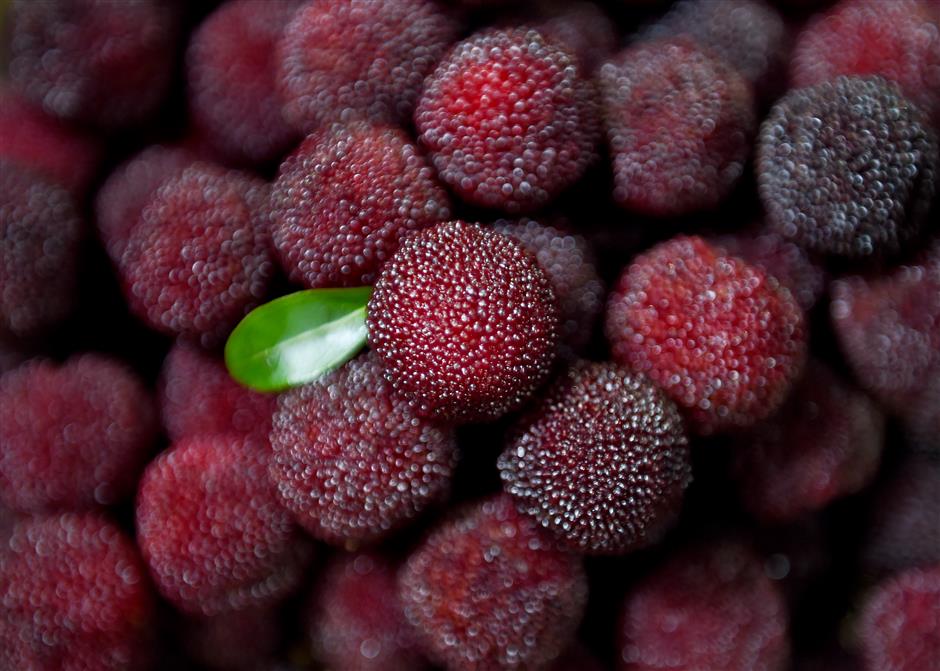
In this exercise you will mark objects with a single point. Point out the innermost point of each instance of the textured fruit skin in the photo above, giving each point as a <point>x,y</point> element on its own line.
<point>709,607</point>
<point>584,28</point>
<point>199,259</point>
<point>899,628</point>
<point>198,396</point>
<point>601,462</point>
<point>30,137</point>
<point>211,528</point>
<point>121,199</point>
<point>823,444</point>
<point>569,263</point>
<point>96,61</point>
<point>356,622</point>
<point>40,235</point>
<point>784,260</point>
<point>231,68</point>
<point>464,321</point>
<point>344,199</point>
<point>750,35</point>
<point>509,119</point>
<point>72,436</point>
<point>903,529</point>
<point>486,590</point>
<point>721,338</point>
<point>366,59</point>
<point>847,167</point>
<point>889,330</point>
<point>899,41</point>
<point>73,597</point>
<point>352,462</point>
<point>679,126</point>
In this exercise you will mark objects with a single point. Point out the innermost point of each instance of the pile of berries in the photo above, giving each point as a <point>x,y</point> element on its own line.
<point>651,378</point>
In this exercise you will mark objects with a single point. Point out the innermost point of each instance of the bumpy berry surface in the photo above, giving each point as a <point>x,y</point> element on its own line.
<point>569,263</point>
<point>40,235</point>
<point>198,396</point>
<point>847,167</point>
<point>356,621</point>
<point>344,59</point>
<point>240,640</point>
<point>679,125</point>
<point>230,68</point>
<point>211,527</point>
<point>199,259</point>
<point>584,28</point>
<point>72,436</point>
<point>602,461</point>
<point>351,459</point>
<point>889,330</point>
<point>487,590</point>
<point>345,197</point>
<point>825,443</point>
<point>725,341</point>
<point>73,596</point>
<point>749,35</point>
<point>29,137</point>
<point>121,199</point>
<point>784,260</point>
<point>98,61</point>
<point>509,119</point>
<point>899,628</point>
<point>464,321</point>
<point>710,607</point>
<point>899,41</point>
<point>922,419</point>
<point>903,529</point>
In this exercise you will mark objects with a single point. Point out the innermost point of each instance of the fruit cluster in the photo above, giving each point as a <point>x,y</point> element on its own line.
<point>648,298</point>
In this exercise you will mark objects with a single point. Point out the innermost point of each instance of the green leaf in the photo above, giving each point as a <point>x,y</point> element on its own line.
<point>297,338</point>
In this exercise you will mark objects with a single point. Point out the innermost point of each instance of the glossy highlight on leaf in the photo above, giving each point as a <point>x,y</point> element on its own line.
<point>297,338</point>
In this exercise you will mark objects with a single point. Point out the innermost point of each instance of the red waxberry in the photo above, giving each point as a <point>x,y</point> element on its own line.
<point>73,435</point>
<point>231,65</point>
<point>30,137</point>
<point>356,621</point>
<point>199,259</point>
<point>903,530</point>
<point>725,341</point>
<point>344,59</point>
<point>344,199</point>
<point>601,462</point>
<point>899,628</point>
<point>465,322</point>
<point>211,528</point>
<point>198,396</point>
<point>679,125</point>
<point>899,41</point>
<point>709,607</point>
<point>509,119</point>
<point>351,459</point>
<point>825,443</point>
<point>240,640</point>
<point>96,61</point>
<point>750,35</point>
<point>847,167</point>
<point>40,236</point>
<point>889,330</point>
<point>922,419</point>
<point>122,197</point>
<point>487,590</point>
<point>73,596</point>
<point>584,29</point>
<point>782,259</point>
<point>568,262</point>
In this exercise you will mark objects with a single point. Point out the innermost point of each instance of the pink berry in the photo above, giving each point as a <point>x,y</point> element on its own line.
<point>464,321</point>
<point>722,339</point>
<point>352,462</point>
<point>345,198</point>
<point>509,119</point>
